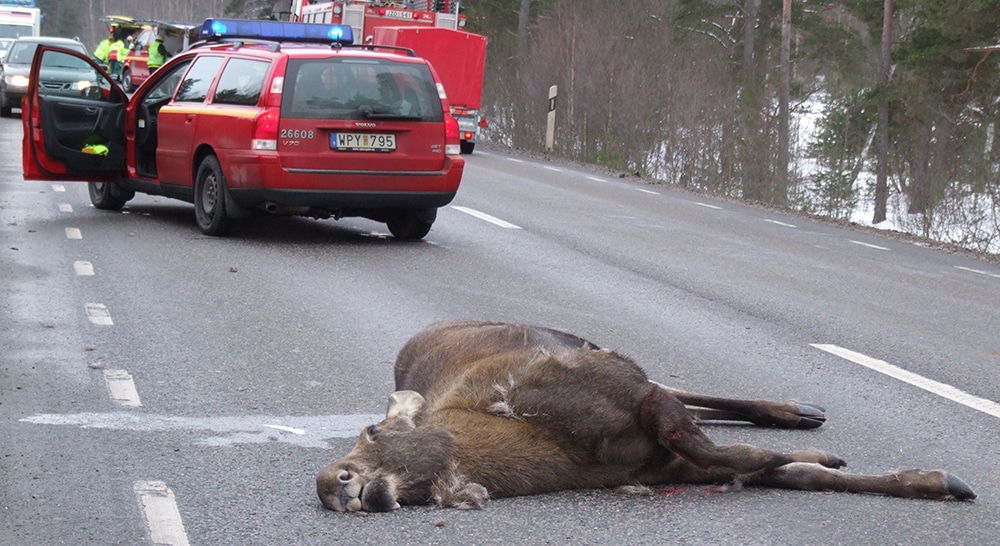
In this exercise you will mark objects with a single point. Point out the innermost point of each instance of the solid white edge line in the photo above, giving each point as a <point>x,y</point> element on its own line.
<point>163,519</point>
<point>483,216</point>
<point>943,390</point>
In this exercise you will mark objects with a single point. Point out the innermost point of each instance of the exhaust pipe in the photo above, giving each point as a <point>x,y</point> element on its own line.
<point>271,207</point>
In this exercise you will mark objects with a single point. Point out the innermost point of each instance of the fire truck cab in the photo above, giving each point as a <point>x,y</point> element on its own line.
<point>458,56</point>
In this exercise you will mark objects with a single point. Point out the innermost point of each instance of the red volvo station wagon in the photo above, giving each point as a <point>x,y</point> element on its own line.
<point>258,117</point>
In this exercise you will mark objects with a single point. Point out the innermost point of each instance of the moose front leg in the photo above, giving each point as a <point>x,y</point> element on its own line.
<point>765,413</point>
<point>912,484</point>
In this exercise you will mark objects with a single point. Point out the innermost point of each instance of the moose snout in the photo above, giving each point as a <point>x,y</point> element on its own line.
<point>339,489</point>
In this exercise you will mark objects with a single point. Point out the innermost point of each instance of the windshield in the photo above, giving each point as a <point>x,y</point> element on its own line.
<point>21,53</point>
<point>360,89</point>
<point>13,31</point>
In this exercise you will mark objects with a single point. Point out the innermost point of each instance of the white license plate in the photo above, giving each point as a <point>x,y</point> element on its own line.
<point>363,142</point>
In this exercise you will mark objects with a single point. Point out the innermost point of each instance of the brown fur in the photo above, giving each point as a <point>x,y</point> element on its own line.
<point>496,410</point>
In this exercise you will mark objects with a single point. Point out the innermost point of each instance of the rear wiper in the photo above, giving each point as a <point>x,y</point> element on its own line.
<point>393,117</point>
<point>368,113</point>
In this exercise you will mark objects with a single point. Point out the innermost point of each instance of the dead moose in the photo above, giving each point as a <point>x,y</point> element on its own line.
<point>486,409</point>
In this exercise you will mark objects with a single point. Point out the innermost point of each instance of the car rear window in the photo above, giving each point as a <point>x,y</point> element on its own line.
<point>241,82</point>
<point>337,88</point>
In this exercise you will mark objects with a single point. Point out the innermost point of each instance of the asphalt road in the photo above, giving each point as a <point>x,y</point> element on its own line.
<point>148,372</point>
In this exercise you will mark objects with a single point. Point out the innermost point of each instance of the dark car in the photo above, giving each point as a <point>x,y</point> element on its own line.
<point>261,117</point>
<point>72,78</point>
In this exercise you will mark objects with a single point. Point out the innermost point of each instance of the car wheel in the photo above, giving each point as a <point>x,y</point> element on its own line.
<point>106,196</point>
<point>210,199</point>
<point>412,225</point>
<point>467,147</point>
<point>127,81</point>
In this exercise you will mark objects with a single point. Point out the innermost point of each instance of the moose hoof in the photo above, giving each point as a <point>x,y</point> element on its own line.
<point>810,415</point>
<point>834,461</point>
<point>958,488</point>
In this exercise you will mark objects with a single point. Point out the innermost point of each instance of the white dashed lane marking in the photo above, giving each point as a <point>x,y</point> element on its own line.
<point>707,206</point>
<point>65,207</point>
<point>977,271</point>
<point>869,245</point>
<point>941,389</point>
<point>486,217</point>
<point>58,188</point>
<point>83,269</point>
<point>782,224</point>
<point>159,507</point>
<point>122,389</point>
<point>97,313</point>
<point>73,233</point>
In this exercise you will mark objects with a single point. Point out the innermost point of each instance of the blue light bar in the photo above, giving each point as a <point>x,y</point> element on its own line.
<point>276,31</point>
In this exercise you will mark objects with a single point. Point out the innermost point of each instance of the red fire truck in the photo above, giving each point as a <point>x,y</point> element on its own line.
<point>434,30</point>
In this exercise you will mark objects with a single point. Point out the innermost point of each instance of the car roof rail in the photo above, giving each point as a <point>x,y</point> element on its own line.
<point>372,47</point>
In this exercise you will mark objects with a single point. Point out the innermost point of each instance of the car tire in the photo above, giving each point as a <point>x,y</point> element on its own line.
<point>210,199</point>
<point>106,196</point>
<point>412,225</point>
<point>127,81</point>
<point>467,147</point>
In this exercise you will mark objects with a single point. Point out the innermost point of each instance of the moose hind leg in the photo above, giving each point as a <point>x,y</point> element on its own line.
<point>675,429</point>
<point>913,484</point>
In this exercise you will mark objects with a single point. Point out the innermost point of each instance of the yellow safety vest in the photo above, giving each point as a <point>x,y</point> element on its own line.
<point>155,59</point>
<point>103,49</point>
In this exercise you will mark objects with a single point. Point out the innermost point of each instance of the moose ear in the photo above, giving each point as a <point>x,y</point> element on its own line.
<point>404,404</point>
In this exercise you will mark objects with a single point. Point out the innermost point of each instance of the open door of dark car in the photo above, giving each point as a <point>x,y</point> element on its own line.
<point>74,120</point>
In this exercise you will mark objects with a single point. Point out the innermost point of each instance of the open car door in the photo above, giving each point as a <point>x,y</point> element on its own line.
<point>74,120</point>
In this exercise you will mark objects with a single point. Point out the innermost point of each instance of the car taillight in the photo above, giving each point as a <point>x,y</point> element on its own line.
<point>452,146</point>
<point>265,131</point>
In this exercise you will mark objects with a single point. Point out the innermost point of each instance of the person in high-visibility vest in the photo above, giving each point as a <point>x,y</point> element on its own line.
<point>117,54</point>
<point>102,50</point>
<point>158,53</point>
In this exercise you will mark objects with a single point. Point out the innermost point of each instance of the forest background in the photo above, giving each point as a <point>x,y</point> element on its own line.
<point>815,106</point>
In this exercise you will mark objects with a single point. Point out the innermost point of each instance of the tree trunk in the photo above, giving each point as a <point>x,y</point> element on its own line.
<point>781,192</point>
<point>522,25</point>
<point>753,156</point>
<point>882,171</point>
